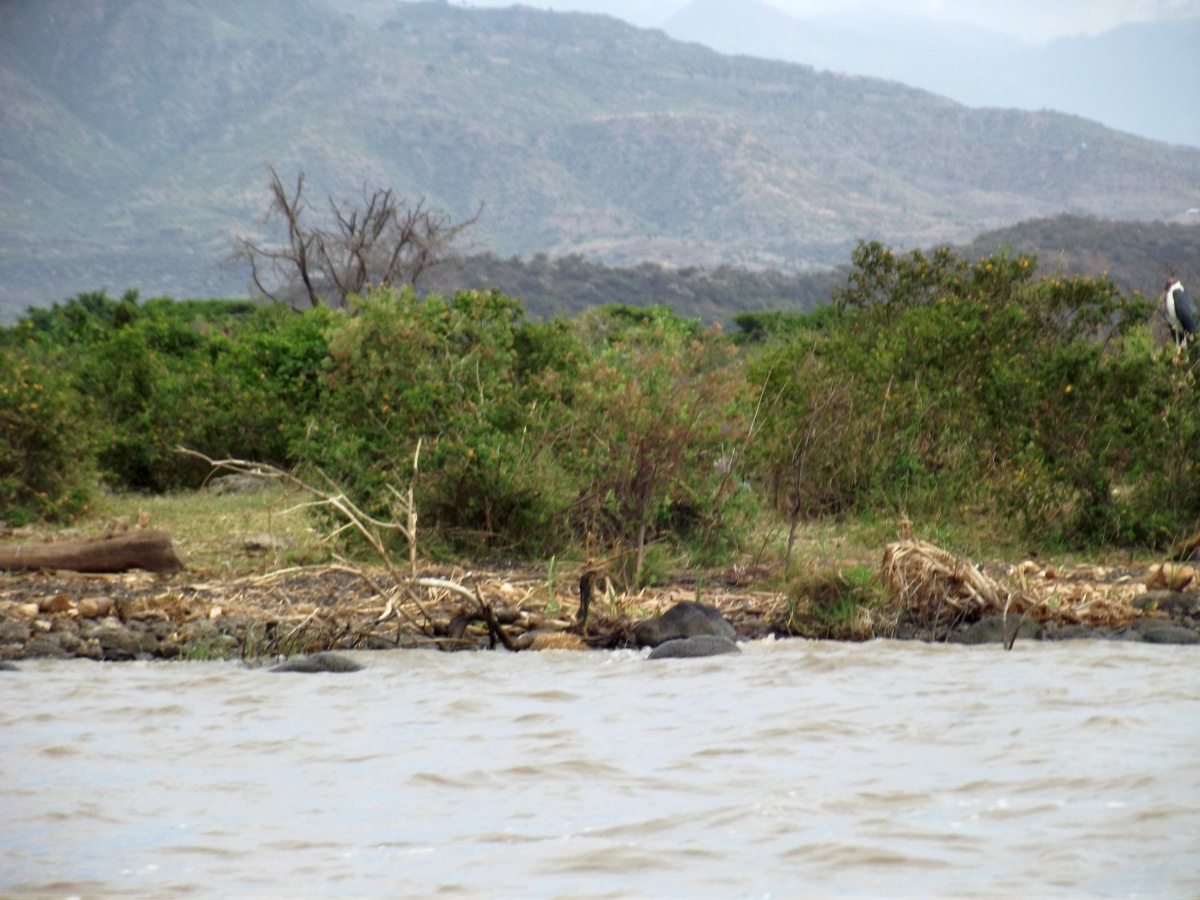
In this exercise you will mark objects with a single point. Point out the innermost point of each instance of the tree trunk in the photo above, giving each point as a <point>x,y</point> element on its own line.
<point>641,549</point>
<point>149,550</point>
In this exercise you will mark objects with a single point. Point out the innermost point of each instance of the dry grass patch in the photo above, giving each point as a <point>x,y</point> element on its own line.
<point>226,535</point>
<point>932,590</point>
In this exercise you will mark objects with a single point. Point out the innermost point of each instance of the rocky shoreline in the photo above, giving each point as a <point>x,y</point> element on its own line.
<point>137,616</point>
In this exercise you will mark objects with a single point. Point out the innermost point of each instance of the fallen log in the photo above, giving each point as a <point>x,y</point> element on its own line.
<point>149,550</point>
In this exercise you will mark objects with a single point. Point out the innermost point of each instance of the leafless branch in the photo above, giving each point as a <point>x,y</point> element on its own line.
<point>355,519</point>
<point>378,242</point>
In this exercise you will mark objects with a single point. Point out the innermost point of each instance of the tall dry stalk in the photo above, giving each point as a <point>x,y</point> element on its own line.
<point>369,527</point>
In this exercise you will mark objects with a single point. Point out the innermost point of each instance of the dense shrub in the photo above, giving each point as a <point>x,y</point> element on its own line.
<point>657,429</point>
<point>953,390</point>
<point>442,371</point>
<point>958,389</point>
<point>46,456</point>
<point>223,377</point>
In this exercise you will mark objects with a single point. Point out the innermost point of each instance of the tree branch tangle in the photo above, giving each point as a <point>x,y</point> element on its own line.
<point>380,242</point>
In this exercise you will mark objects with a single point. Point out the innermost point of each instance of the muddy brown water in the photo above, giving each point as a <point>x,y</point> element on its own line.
<point>793,768</point>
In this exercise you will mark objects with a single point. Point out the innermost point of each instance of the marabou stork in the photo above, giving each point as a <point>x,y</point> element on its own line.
<point>1181,312</point>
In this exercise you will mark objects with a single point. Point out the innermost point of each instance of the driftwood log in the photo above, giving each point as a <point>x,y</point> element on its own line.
<point>149,550</point>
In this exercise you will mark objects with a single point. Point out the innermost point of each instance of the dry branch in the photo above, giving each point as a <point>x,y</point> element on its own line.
<point>355,519</point>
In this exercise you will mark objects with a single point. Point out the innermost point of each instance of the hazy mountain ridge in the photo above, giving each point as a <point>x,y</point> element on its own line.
<point>140,136</point>
<point>1140,77</point>
<point>1137,256</point>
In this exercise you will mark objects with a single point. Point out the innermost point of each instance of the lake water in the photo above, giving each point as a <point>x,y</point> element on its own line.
<point>794,768</point>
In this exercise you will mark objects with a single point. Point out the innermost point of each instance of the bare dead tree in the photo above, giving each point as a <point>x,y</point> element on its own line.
<point>382,241</point>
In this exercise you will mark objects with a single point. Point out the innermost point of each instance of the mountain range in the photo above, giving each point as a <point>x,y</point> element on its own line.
<point>1141,77</point>
<point>135,138</point>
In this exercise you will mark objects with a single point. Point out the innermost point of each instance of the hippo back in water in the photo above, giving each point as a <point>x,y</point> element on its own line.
<point>318,662</point>
<point>683,620</point>
<point>700,645</point>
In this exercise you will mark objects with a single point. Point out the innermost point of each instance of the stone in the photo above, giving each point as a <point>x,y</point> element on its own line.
<point>1126,634</point>
<point>8,667</point>
<point>318,662</point>
<point>1173,603</point>
<point>1076,633</point>
<point>1149,623</point>
<point>991,630</point>
<point>59,603</point>
<point>73,644</point>
<point>16,632</point>
<point>683,620</point>
<point>95,607</point>
<point>1170,634</point>
<point>45,645</point>
<point>160,628</point>
<point>700,645</point>
<point>117,644</point>
<point>257,543</point>
<point>1171,576</point>
<point>240,483</point>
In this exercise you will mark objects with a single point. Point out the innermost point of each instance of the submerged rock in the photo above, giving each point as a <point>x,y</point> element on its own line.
<point>685,619</point>
<point>700,645</point>
<point>991,630</point>
<point>1078,633</point>
<point>318,662</point>
<point>1170,634</point>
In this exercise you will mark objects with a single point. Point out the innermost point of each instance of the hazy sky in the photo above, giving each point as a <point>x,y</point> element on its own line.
<point>1031,20</point>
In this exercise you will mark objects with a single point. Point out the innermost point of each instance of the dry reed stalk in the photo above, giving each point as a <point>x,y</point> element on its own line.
<point>931,588</point>
<point>355,519</point>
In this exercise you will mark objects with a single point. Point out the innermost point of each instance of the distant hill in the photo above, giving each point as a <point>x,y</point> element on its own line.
<point>568,285</point>
<point>135,136</point>
<point>1142,78</point>
<point>1137,256</point>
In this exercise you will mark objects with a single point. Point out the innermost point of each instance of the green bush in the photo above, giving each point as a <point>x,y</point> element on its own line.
<point>442,371</point>
<point>958,390</point>
<point>657,428</point>
<point>46,456</point>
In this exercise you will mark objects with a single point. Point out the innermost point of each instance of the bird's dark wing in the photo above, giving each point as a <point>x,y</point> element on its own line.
<point>1185,311</point>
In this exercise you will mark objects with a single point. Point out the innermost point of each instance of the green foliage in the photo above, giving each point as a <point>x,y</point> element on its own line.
<point>761,327</point>
<point>657,412</point>
<point>971,394</point>
<point>812,433</point>
<point>834,605</point>
<point>46,460</point>
<point>222,377</point>
<point>976,389</point>
<point>444,371</point>
<point>534,435</point>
